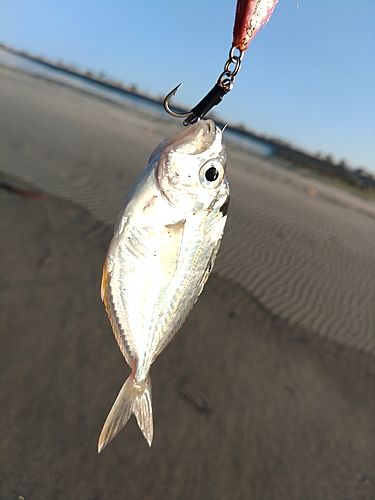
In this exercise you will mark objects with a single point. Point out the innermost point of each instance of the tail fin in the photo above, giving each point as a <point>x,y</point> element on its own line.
<point>133,398</point>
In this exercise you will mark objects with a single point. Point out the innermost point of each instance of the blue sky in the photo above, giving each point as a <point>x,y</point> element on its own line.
<point>308,77</point>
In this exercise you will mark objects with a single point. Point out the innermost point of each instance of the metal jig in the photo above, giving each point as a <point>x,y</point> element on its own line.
<point>214,96</point>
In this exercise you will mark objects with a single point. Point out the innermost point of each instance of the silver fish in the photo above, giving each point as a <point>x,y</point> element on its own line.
<point>164,246</point>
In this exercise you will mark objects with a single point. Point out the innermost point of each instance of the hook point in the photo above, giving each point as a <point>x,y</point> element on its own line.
<point>168,109</point>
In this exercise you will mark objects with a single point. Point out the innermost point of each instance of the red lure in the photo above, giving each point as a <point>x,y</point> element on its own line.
<point>251,15</point>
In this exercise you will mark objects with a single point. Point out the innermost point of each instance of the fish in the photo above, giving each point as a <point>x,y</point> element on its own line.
<point>162,251</point>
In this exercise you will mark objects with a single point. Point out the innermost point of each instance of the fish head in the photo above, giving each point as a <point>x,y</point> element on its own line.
<point>190,168</point>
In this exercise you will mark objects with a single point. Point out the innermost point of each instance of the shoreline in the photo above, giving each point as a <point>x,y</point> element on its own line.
<point>358,180</point>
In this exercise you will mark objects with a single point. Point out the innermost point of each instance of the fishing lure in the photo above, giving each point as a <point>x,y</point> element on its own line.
<point>251,16</point>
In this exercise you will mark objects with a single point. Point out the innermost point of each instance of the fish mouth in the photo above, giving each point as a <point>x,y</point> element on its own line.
<point>197,139</point>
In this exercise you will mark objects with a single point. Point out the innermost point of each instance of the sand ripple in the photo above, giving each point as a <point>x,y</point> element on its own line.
<point>303,248</point>
<point>306,258</point>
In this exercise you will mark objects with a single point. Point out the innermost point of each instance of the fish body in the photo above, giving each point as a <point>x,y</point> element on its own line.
<point>163,248</point>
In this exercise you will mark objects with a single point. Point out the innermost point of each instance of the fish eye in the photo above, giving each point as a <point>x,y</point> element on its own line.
<point>211,173</point>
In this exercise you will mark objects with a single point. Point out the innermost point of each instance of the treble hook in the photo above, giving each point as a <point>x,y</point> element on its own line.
<point>213,97</point>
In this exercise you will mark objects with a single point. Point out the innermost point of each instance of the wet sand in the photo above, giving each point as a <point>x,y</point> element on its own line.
<point>268,390</point>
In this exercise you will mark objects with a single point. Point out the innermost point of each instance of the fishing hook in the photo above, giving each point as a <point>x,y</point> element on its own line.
<point>215,95</point>
<point>168,109</point>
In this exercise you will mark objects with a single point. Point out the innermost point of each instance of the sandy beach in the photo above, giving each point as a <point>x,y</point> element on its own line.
<point>268,390</point>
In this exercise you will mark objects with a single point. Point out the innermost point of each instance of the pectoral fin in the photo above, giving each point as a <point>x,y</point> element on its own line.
<point>170,239</point>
